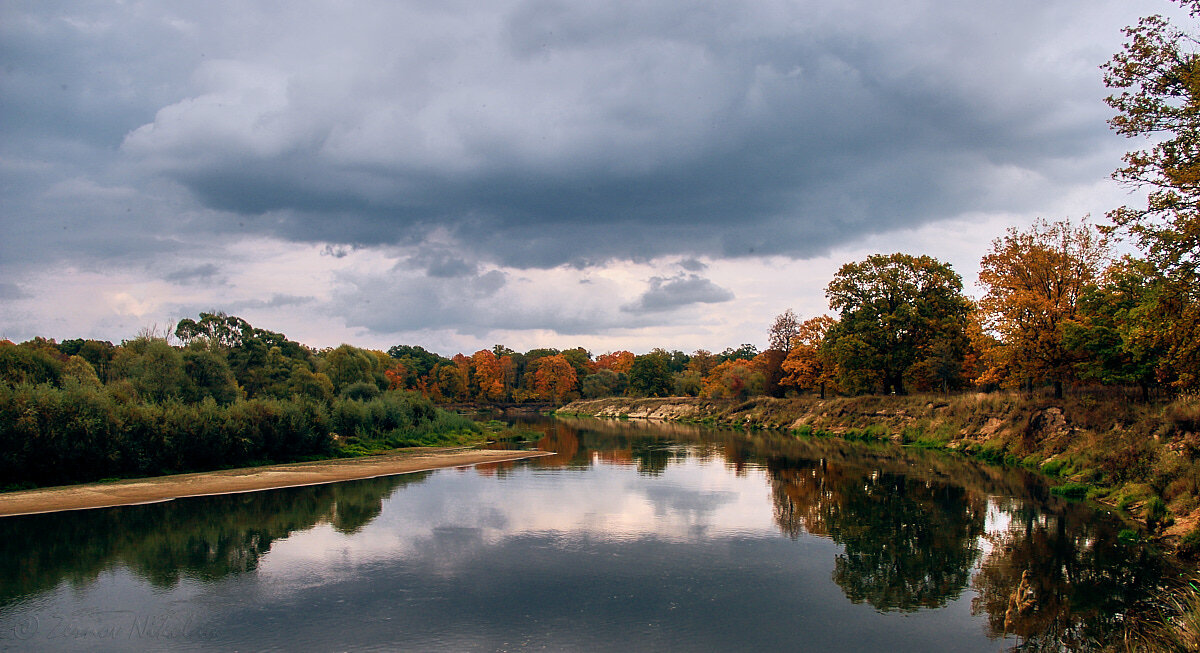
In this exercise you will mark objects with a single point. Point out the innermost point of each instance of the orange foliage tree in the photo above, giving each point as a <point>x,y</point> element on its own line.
<point>806,367</point>
<point>617,361</point>
<point>488,375</point>
<point>554,377</point>
<point>736,378</point>
<point>397,375</point>
<point>1034,280</point>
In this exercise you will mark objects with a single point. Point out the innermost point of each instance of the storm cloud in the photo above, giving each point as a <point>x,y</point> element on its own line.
<point>541,132</point>
<point>669,293</point>
<point>481,140</point>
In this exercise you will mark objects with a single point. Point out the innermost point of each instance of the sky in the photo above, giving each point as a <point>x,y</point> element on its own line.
<point>532,173</point>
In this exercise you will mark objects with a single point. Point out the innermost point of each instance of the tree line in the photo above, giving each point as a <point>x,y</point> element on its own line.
<point>1056,310</point>
<point>230,394</point>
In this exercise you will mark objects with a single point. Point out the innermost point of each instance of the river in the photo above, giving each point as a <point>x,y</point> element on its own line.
<point>634,536</point>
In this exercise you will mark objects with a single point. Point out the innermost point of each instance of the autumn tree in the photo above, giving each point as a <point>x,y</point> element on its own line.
<point>396,375</point>
<point>807,365</point>
<point>448,382</point>
<point>617,361</point>
<point>1034,280</point>
<point>894,309</point>
<point>736,378</point>
<point>1156,77</point>
<point>702,362</point>
<point>487,375</point>
<point>554,378</point>
<point>783,331</point>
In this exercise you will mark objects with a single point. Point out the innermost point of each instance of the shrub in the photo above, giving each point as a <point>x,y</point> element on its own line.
<point>1157,517</point>
<point>360,391</point>
<point>1189,546</point>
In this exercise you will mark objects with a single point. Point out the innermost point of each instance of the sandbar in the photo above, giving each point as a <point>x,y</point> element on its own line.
<point>247,479</point>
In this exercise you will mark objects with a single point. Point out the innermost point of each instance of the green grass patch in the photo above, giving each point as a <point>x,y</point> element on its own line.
<point>1128,536</point>
<point>1054,467</point>
<point>1071,491</point>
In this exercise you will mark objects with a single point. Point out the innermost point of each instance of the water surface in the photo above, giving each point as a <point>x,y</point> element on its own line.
<point>633,536</point>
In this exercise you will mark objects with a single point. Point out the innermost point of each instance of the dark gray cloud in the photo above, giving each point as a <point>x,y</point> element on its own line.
<point>667,294</point>
<point>204,273</point>
<point>443,264</point>
<point>539,132</point>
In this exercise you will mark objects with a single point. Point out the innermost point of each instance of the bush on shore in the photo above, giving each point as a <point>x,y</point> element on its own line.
<point>80,432</point>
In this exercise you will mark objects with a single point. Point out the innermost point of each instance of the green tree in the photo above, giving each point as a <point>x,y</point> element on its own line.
<point>210,376</point>
<point>1156,77</point>
<point>21,364</point>
<point>304,383</point>
<point>744,352</point>
<point>80,371</point>
<point>650,375</point>
<point>418,363</point>
<point>1115,335</point>
<point>154,367</point>
<point>687,383</point>
<point>893,310</point>
<point>97,352</point>
<point>261,360</point>
<point>346,365</point>
<point>604,383</point>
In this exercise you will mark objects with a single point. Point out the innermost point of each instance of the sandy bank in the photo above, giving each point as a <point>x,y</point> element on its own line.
<point>249,479</point>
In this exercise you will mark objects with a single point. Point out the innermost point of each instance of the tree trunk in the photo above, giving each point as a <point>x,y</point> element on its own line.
<point>1058,389</point>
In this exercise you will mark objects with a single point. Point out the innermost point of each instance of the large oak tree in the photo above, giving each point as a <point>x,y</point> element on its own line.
<point>896,312</point>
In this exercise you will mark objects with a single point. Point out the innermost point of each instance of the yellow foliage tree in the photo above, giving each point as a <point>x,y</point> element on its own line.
<point>1034,280</point>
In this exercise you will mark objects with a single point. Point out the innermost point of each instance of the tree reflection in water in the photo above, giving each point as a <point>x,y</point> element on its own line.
<point>1081,576</point>
<point>202,538</point>
<point>907,544</point>
<point>916,528</point>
